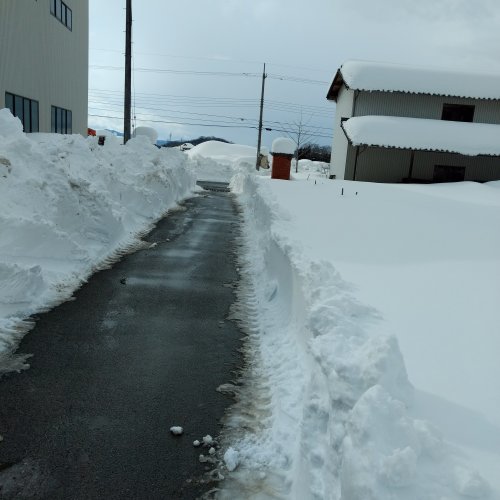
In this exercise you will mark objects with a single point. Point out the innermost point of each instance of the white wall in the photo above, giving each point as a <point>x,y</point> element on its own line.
<point>340,143</point>
<point>43,60</point>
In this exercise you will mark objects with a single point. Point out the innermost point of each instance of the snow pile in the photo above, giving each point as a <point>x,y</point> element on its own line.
<point>69,207</point>
<point>310,170</point>
<point>283,146</point>
<point>149,132</point>
<point>231,459</point>
<point>219,161</point>
<point>376,387</point>
<point>421,134</point>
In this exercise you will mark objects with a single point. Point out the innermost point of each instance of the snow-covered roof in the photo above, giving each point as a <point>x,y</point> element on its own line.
<point>469,139</point>
<point>374,76</point>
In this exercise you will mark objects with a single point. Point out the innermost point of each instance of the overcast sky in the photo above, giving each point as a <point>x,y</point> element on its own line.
<point>221,46</point>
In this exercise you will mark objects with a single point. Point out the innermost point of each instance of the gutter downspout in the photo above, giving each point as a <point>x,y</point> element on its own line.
<point>350,144</point>
<point>412,159</point>
<point>354,101</point>
<point>355,163</point>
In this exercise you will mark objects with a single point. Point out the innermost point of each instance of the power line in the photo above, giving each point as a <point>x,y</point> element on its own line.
<point>178,123</point>
<point>214,73</point>
<point>214,59</point>
<point>183,112</point>
<point>213,125</point>
<point>176,71</point>
<point>232,118</point>
<point>173,100</point>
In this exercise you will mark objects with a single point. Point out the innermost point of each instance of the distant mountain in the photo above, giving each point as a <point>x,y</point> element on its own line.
<point>171,144</point>
<point>194,142</point>
<point>115,132</point>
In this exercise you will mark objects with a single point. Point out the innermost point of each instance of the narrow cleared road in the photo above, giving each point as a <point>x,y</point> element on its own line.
<point>142,348</point>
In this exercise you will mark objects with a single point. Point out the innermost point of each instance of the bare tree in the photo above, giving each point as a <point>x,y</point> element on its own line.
<point>300,133</point>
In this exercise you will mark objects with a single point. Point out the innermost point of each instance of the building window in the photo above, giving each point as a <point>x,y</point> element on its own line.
<point>458,112</point>
<point>61,121</point>
<point>62,12</point>
<point>25,109</point>
<point>447,173</point>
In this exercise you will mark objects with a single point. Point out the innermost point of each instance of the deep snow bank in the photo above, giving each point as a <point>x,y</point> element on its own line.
<point>68,207</point>
<point>337,416</point>
<point>219,161</point>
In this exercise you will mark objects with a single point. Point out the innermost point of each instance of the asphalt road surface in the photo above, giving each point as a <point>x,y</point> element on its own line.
<point>142,348</point>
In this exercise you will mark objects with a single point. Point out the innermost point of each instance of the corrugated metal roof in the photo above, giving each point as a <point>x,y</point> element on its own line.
<point>471,139</point>
<point>386,77</point>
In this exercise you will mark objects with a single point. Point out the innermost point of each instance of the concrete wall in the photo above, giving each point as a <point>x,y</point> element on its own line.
<point>340,143</point>
<point>392,165</point>
<point>42,59</point>
<point>422,106</point>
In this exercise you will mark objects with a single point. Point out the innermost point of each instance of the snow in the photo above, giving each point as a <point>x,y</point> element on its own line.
<point>176,430</point>
<point>207,440</point>
<point>376,76</point>
<point>149,132</point>
<point>219,161</point>
<point>69,208</point>
<point>283,145</point>
<point>422,134</point>
<point>231,459</point>
<point>374,340</point>
<point>371,310</point>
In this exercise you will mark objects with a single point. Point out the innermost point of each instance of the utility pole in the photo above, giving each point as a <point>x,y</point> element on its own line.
<point>128,72</point>
<point>264,76</point>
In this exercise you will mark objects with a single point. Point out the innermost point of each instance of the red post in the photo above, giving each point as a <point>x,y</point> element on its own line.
<point>282,163</point>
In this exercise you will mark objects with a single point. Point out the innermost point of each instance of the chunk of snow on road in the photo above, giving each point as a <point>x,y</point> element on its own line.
<point>176,430</point>
<point>207,440</point>
<point>196,443</point>
<point>211,451</point>
<point>231,459</point>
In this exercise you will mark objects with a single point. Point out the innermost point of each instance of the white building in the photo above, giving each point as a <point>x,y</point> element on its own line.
<point>398,123</point>
<point>44,63</point>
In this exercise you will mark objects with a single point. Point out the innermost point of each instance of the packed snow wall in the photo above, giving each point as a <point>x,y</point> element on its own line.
<point>334,400</point>
<point>70,207</point>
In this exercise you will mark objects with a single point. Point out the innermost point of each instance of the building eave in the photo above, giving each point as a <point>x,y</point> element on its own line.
<point>335,87</point>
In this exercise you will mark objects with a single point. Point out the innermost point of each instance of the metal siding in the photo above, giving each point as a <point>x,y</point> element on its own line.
<point>349,162</point>
<point>422,106</point>
<point>382,165</point>
<point>477,168</point>
<point>340,143</point>
<point>42,59</point>
<point>392,165</point>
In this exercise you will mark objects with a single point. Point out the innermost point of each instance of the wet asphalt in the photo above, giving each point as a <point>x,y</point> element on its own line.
<point>143,347</point>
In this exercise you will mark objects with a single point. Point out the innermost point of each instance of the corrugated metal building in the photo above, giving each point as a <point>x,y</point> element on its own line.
<point>44,63</point>
<point>388,90</point>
